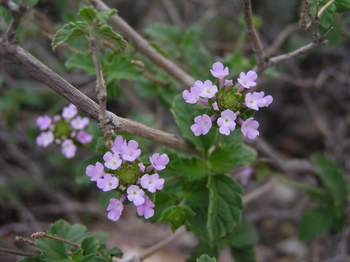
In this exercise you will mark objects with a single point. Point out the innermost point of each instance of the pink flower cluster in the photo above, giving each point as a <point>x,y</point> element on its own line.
<point>67,129</point>
<point>229,104</point>
<point>122,170</point>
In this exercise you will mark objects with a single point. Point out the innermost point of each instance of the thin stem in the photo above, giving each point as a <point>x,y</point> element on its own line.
<point>16,252</point>
<point>320,12</point>
<point>38,235</point>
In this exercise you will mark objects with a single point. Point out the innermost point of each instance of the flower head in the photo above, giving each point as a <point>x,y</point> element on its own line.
<point>152,182</point>
<point>219,71</point>
<point>226,122</point>
<point>45,139</point>
<point>107,183</point>
<point>202,125</point>
<point>256,100</point>
<point>84,137</point>
<point>135,195</point>
<point>146,209</point>
<point>69,111</point>
<point>159,161</point>
<point>68,148</point>
<point>79,122</point>
<point>131,151</point>
<point>247,80</point>
<point>249,128</point>
<point>43,122</point>
<point>209,90</point>
<point>112,160</point>
<point>192,96</point>
<point>114,209</point>
<point>95,172</point>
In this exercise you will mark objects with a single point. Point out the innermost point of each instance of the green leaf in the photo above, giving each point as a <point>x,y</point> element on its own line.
<point>189,168</point>
<point>206,258</point>
<point>342,5</point>
<point>244,234</point>
<point>315,222</point>
<point>184,115</point>
<point>176,216</point>
<point>119,68</point>
<point>81,61</point>
<point>202,248</point>
<point>90,245</point>
<point>106,32</point>
<point>88,13</point>
<point>231,155</point>
<point>225,205</point>
<point>244,254</point>
<point>332,179</point>
<point>67,32</point>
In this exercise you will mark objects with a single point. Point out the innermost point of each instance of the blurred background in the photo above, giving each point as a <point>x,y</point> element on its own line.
<point>310,114</point>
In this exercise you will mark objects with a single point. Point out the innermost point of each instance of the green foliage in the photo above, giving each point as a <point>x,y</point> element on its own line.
<point>244,234</point>
<point>68,32</point>
<point>176,216</point>
<point>244,254</point>
<point>92,248</point>
<point>202,248</point>
<point>205,258</point>
<point>225,205</point>
<point>329,216</point>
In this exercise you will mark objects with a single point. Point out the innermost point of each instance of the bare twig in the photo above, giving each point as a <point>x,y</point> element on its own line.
<point>25,240</point>
<point>253,35</point>
<point>42,73</point>
<point>38,235</point>
<point>16,252</point>
<point>281,38</point>
<point>143,46</point>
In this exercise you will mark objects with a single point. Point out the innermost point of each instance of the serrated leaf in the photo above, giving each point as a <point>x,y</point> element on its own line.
<point>225,205</point>
<point>88,13</point>
<point>315,222</point>
<point>107,33</point>
<point>244,234</point>
<point>90,245</point>
<point>119,68</point>
<point>202,248</point>
<point>103,16</point>
<point>81,61</point>
<point>332,179</point>
<point>176,216</point>
<point>184,115</point>
<point>66,32</point>
<point>189,168</point>
<point>206,258</point>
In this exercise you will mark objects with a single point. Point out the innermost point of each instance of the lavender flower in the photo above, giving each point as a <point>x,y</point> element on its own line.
<point>249,128</point>
<point>159,161</point>
<point>247,80</point>
<point>84,137</point>
<point>95,172</point>
<point>118,145</point>
<point>152,182</point>
<point>112,161</point>
<point>43,122</point>
<point>131,151</point>
<point>256,100</point>
<point>202,125</point>
<point>69,111</point>
<point>68,148</point>
<point>115,209</point>
<point>45,139</point>
<point>208,89</point>
<point>107,183</point>
<point>226,122</point>
<point>135,195</point>
<point>146,209</point>
<point>219,71</point>
<point>79,123</point>
<point>192,96</point>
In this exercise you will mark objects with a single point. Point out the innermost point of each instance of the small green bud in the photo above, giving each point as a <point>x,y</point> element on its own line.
<point>230,99</point>
<point>128,174</point>
<point>62,129</point>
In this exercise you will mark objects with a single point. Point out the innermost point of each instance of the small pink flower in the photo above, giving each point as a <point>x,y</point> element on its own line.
<point>112,161</point>
<point>114,209</point>
<point>192,96</point>
<point>118,145</point>
<point>219,71</point>
<point>226,122</point>
<point>146,209</point>
<point>68,148</point>
<point>107,183</point>
<point>95,172</point>
<point>84,137</point>
<point>131,151</point>
<point>135,195</point>
<point>152,182</point>
<point>249,128</point>
<point>228,83</point>
<point>43,122</point>
<point>209,90</point>
<point>159,161</point>
<point>45,139</point>
<point>247,80</point>
<point>69,111</point>
<point>142,167</point>
<point>202,125</point>
<point>79,122</point>
<point>215,106</point>
<point>256,100</point>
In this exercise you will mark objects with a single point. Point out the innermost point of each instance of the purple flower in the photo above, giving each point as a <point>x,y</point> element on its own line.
<point>107,183</point>
<point>202,125</point>
<point>112,161</point>
<point>142,167</point>
<point>219,71</point>
<point>114,209</point>
<point>135,195</point>
<point>69,111</point>
<point>192,96</point>
<point>79,122</point>
<point>226,122</point>
<point>45,139</point>
<point>159,161</point>
<point>118,145</point>
<point>43,122</point>
<point>152,182</point>
<point>146,209</point>
<point>95,172</point>
<point>130,151</point>
<point>257,99</point>
<point>84,137</point>
<point>68,148</point>
<point>247,80</point>
<point>208,89</point>
<point>228,83</point>
<point>215,106</point>
<point>249,128</point>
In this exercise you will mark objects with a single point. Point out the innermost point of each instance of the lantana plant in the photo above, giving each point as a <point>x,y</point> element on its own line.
<point>228,104</point>
<point>135,181</point>
<point>67,129</point>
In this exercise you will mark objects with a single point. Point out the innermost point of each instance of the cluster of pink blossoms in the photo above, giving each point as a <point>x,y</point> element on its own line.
<point>122,170</point>
<point>229,104</point>
<point>67,129</point>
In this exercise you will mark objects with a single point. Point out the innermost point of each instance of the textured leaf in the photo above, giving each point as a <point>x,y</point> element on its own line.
<point>225,205</point>
<point>244,234</point>
<point>176,216</point>
<point>202,248</point>
<point>205,258</point>
<point>67,32</point>
<point>107,33</point>
<point>88,13</point>
<point>90,245</point>
<point>81,61</point>
<point>188,168</point>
